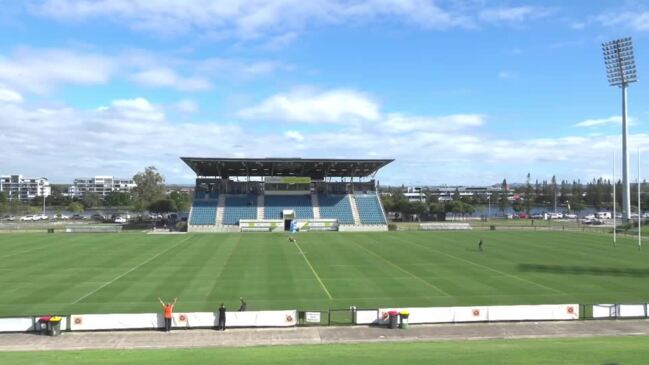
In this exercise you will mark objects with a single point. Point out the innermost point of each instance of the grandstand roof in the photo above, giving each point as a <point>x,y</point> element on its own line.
<point>315,168</point>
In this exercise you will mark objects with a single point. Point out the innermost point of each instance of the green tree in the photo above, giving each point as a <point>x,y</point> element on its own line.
<point>117,199</point>
<point>76,207</point>
<point>183,200</point>
<point>503,197</point>
<point>4,202</point>
<point>90,200</point>
<point>162,206</point>
<point>150,188</point>
<point>529,195</point>
<point>418,208</point>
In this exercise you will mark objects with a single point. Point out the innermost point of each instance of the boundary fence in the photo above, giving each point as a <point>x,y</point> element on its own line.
<point>335,317</point>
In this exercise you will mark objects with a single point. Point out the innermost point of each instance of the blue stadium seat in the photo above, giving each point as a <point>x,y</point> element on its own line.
<point>336,207</point>
<point>301,204</point>
<point>369,209</point>
<point>239,207</point>
<point>203,212</point>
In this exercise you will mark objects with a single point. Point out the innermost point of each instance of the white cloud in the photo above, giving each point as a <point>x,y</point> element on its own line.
<point>10,96</point>
<point>166,77</point>
<point>335,106</point>
<point>514,14</point>
<point>401,123</point>
<point>40,70</point>
<point>125,135</point>
<point>294,135</point>
<point>615,119</point>
<point>505,75</point>
<point>280,20</point>
<point>187,106</point>
<point>578,25</point>
<point>636,20</point>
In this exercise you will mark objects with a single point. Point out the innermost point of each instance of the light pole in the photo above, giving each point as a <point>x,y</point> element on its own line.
<point>489,206</point>
<point>621,71</point>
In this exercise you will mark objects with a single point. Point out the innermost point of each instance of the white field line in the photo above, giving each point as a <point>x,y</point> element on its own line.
<point>313,270</point>
<point>488,268</point>
<point>129,271</point>
<point>403,270</point>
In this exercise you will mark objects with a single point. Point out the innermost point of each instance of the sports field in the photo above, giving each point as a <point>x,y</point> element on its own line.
<point>597,350</point>
<point>126,272</point>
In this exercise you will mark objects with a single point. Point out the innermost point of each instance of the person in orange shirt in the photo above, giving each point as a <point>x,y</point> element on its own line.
<point>168,310</point>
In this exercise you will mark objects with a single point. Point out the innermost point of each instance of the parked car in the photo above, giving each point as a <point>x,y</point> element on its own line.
<point>42,217</point>
<point>10,218</point>
<point>27,218</point>
<point>97,217</point>
<point>570,216</point>
<point>537,216</point>
<point>77,216</point>
<point>603,215</point>
<point>120,220</point>
<point>523,215</point>
<point>62,216</point>
<point>553,215</point>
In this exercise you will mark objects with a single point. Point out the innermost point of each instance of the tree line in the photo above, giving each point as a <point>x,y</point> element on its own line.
<point>150,194</point>
<point>574,196</point>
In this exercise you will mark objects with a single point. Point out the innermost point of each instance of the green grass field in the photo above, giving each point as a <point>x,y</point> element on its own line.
<point>598,350</point>
<point>126,272</point>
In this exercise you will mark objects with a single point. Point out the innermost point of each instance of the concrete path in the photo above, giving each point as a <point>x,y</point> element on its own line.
<point>318,335</point>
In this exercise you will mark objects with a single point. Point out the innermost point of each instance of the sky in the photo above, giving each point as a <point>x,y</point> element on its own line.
<point>456,91</point>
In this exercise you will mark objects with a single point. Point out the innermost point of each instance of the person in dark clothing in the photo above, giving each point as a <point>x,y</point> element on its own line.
<point>221,325</point>
<point>480,245</point>
<point>243,306</point>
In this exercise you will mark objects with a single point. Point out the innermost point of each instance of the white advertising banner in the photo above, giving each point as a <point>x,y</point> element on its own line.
<point>89,322</point>
<point>421,315</point>
<point>604,310</point>
<point>470,314</point>
<point>534,312</point>
<point>475,314</point>
<point>22,324</point>
<point>312,317</point>
<point>633,310</point>
<point>367,317</point>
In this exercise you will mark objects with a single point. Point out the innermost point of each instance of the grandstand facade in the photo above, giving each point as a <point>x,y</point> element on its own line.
<point>271,194</point>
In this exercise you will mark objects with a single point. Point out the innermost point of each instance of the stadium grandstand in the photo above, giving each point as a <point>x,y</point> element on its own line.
<point>272,194</point>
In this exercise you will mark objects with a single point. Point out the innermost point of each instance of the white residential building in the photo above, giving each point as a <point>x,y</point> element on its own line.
<point>101,185</point>
<point>17,187</point>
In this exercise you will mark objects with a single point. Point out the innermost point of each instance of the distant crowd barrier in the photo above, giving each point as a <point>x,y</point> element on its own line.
<point>440,226</point>
<point>291,318</point>
<point>602,311</point>
<point>551,312</point>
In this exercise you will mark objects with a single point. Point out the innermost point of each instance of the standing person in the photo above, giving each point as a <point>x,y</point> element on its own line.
<point>480,245</point>
<point>168,310</point>
<point>243,306</point>
<point>221,325</point>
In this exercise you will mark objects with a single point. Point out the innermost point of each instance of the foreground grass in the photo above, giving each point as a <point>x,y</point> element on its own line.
<point>126,272</point>
<point>595,350</point>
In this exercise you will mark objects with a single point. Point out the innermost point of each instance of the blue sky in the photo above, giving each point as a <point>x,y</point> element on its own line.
<point>457,91</point>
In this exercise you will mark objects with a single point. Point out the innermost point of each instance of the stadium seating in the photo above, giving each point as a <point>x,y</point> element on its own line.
<point>239,207</point>
<point>336,207</point>
<point>301,204</point>
<point>199,195</point>
<point>203,212</point>
<point>369,209</point>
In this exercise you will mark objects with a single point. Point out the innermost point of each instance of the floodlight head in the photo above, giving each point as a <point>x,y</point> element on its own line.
<point>619,61</point>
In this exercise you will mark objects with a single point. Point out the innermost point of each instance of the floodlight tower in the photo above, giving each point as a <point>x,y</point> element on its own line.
<point>621,71</point>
